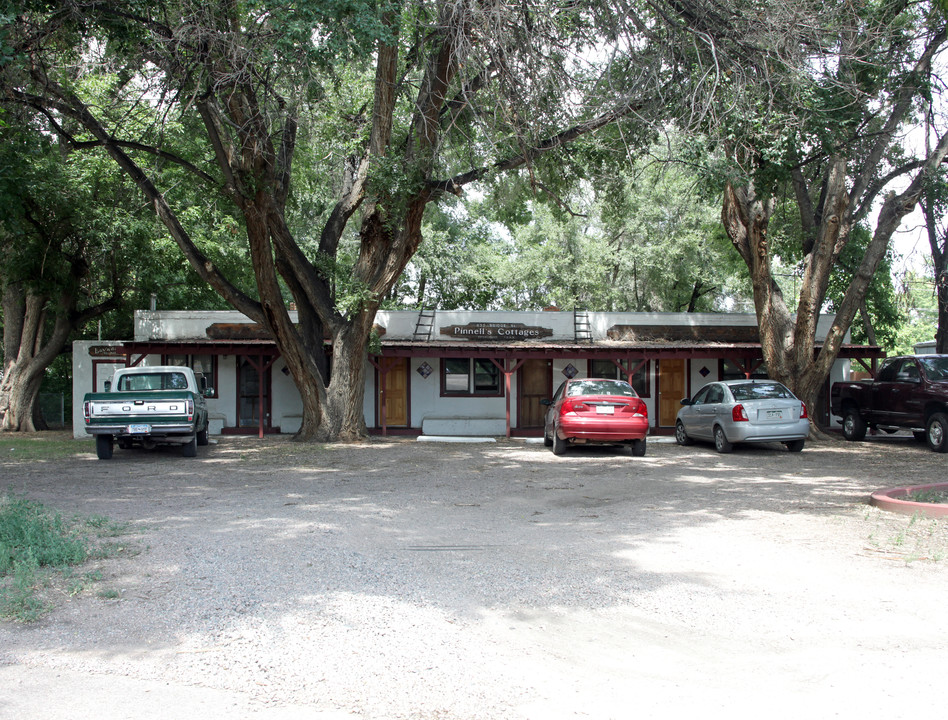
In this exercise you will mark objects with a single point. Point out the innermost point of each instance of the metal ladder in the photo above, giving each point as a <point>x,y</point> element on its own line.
<point>582,331</point>
<point>425,324</point>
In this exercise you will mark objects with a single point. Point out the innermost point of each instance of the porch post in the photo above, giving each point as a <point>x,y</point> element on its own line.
<point>507,373</point>
<point>383,366</point>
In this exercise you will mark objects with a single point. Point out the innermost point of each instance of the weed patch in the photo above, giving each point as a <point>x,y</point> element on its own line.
<point>928,496</point>
<point>38,549</point>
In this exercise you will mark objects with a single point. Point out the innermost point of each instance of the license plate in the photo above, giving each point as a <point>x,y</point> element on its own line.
<point>775,414</point>
<point>605,410</point>
<point>139,429</point>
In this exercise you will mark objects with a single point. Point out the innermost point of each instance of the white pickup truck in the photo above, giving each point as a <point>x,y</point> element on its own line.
<point>147,406</point>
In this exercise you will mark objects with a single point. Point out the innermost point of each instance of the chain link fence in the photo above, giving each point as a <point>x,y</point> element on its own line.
<point>53,408</point>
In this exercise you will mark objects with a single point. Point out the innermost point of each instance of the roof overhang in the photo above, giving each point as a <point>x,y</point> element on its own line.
<point>651,350</point>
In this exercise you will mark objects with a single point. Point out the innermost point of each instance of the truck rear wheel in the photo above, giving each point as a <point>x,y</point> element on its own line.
<point>936,432</point>
<point>103,447</point>
<point>190,448</point>
<point>202,436</point>
<point>854,427</point>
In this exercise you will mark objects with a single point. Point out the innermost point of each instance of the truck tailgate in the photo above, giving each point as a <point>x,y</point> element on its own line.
<point>138,406</point>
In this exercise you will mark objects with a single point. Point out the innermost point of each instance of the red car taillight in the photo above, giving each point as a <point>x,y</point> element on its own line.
<point>637,407</point>
<point>804,415</point>
<point>739,414</point>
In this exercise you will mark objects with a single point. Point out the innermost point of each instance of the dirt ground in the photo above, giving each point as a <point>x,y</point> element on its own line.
<point>397,579</point>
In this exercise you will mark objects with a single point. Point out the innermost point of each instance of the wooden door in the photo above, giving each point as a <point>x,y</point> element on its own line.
<point>671,389</point>
<point>535,385</point>
<point>394,395</point>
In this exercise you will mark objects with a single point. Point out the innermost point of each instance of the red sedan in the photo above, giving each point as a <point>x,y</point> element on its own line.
<point>593,410</point>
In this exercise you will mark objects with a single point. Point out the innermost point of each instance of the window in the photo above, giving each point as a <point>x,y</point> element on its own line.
<point>760,391</point>
<point>201,363</point>
<point>600,387</point>
<point>701,397</point>
<point>715,395</point>
<point>909,371</point>
<point>153,381</point>
<point>731,371</point>
<point>608,369</point>
<point>936,367</point>
<point>470,376</point>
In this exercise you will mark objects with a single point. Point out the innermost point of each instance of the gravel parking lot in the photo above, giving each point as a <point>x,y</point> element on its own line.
<point>403,580</point>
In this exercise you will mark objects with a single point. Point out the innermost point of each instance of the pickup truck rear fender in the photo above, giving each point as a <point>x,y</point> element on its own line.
<point>935,407</point>
<point>847,404</point>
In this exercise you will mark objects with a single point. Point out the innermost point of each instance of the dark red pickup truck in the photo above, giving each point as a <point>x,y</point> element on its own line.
<point>909,392</point>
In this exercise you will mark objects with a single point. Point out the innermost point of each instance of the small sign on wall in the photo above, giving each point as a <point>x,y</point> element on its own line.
<point>106,351</point>
<point>496,331</point>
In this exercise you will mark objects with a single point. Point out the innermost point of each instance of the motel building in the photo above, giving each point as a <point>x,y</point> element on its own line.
<point>451,373</point>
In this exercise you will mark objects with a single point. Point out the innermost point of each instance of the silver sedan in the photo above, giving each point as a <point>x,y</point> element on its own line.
<point>739,411</point>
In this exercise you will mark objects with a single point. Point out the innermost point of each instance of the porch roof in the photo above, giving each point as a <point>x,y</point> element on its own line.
<point>641,349</point>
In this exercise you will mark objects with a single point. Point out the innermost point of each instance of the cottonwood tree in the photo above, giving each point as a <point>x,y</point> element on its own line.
<point>67,239</point>
<point>403,103</point>
<point>841,87</point>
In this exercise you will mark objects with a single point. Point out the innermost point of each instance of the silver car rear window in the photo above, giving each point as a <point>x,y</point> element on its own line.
<point>759,391</point>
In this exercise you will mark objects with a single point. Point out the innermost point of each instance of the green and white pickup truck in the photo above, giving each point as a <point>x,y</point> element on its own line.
<point>147,406</point>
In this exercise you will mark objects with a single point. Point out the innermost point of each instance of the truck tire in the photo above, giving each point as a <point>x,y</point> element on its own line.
<point>936,432</point>
<point>103,447</point>
<point>854,427</point>
<point>202,436</point>
<point>190,448</point>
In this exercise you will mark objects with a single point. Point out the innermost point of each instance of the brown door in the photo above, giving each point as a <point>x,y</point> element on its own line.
<point>395,393</point>
<point>534,384</point>
<point>671,389</point>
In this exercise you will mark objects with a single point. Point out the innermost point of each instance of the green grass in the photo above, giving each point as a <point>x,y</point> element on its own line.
<point>39,551</point>
<point>41,446</point>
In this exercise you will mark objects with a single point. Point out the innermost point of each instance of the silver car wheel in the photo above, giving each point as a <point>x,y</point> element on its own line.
<point>681,436</point>
<point>721,443</point>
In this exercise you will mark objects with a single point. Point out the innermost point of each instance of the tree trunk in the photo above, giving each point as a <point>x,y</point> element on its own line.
<point>941,333</point>
<point>787,346</point>
<point>26,357</point>
<point>19,393</point>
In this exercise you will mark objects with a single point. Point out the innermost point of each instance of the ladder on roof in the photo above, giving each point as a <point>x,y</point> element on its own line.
<point>582,331</point>
<point>425,324</point>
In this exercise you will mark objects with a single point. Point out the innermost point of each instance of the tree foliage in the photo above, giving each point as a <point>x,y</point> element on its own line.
<point>68,234</point>
<point>396,105</point>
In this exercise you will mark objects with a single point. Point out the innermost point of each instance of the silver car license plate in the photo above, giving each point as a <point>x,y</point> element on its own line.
<point>139,429</point>
<point>775,414</point>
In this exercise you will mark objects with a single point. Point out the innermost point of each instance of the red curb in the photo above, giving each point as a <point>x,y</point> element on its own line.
<point>892,501</point>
